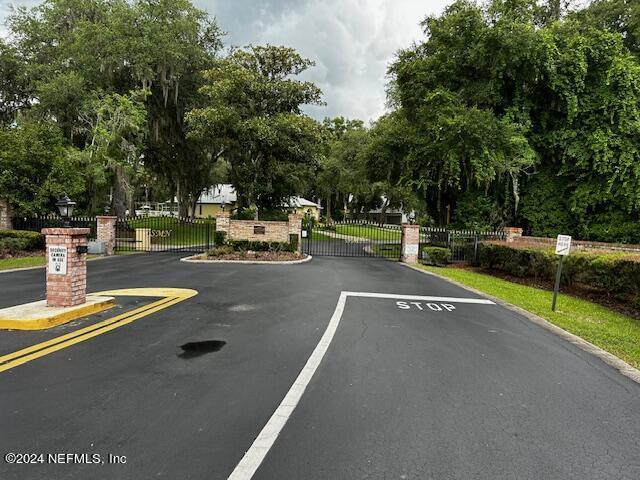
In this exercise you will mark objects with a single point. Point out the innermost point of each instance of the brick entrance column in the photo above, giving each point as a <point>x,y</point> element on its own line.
<point>106,232</point>
<point>410,243</point>
<point>223,223</point>
<point>5,214</point>
<point>66,269</point>
<point>295,228</point>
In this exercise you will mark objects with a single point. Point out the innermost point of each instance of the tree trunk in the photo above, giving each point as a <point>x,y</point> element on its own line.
<point>119,199</point>
<point>383,212</point>
<point>329,208</point>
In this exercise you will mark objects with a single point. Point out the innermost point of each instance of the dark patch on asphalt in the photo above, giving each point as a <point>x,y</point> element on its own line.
<point>197,349</point>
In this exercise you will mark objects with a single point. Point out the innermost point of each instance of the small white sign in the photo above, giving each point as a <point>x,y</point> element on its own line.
<point>410,249</point>
<point>563,245</point>
<point>304,234</point>
<point>57,261</point>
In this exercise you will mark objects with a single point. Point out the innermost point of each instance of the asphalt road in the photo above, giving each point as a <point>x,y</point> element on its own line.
<point>475,392</point>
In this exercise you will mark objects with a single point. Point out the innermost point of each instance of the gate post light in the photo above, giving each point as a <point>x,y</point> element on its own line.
<point>65,206</point>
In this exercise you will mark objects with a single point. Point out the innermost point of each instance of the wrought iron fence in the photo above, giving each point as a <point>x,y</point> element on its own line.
<point>352,238</point>
<point>36,224</point>
<point>164,234</point>
<point>464,244</point>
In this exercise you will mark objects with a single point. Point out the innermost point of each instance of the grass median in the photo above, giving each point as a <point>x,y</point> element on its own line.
<point>616,333</point>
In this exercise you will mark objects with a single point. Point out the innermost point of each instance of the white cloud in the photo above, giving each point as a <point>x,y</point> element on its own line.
<point>351,41</point>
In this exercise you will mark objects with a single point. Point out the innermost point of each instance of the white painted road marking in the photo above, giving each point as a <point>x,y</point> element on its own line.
<point>436,307</point>
<point>246,469</point>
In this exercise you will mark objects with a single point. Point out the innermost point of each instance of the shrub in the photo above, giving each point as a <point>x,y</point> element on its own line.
<point>220,250</point>
<point>617,274</point>
<point>256,246</point>
<point>436,256</point>
<point>11,246</point>
<point>219,237</point>
<point>34,240</point>
<point>293,242</point>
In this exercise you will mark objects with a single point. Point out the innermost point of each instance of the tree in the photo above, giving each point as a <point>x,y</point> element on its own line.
<point>252,116</point>
<point>72,50</point>
<point>35,169</point>
<point>115,125</point>
<point>561,95</point>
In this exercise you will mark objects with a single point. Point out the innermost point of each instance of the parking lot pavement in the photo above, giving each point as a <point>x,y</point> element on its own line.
<point>404,390</point>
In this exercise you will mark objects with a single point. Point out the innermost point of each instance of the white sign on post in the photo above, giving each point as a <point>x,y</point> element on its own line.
<point>57,260</point>
<point>563,245</point>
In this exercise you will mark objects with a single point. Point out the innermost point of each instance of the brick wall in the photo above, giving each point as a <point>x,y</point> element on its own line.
<point>258,230</point>
<point>5,215</point>
<point>245,230</point>
<point>70,289</point>
<point>577,244</point>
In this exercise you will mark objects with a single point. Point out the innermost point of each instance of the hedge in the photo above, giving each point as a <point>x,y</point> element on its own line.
<point>437,256</point>
<point>618,274</point>
<point>12,246</point>
<point>32,240</point>
<point>246,245</point>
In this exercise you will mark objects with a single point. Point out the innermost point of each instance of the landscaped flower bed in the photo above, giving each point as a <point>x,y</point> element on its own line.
<point>242,250</point>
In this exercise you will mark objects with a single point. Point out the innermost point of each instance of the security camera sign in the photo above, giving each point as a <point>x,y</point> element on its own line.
<point>563,245</point>
<point>57,261</point>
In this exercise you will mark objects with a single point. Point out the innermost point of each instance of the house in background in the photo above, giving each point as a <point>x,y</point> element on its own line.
<point>223,196</point>
<point>212,199</point>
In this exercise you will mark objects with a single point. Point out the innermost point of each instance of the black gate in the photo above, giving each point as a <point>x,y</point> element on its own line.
<point>352,238</point>
<point>463,244</point>
<point>164,234</point>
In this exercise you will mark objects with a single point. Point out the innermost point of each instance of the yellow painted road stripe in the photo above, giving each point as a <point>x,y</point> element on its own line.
<point>25,355</point>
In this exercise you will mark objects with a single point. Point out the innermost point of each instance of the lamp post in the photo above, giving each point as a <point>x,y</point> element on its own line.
<point>65,206</point>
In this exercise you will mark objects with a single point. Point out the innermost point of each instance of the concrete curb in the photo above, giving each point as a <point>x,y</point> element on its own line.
<point>191,259</point>
<point>37,316</point>
<point>22,269</point>
<point>623,367</point>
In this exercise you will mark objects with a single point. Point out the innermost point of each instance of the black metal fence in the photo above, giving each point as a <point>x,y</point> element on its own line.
<point>36,224</point>
<point>164,234</point>
<point>464,244</point>
<point>352,238</point>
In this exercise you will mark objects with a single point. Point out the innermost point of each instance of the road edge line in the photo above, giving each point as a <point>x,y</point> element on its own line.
<point>610,359</point>
<point>258,450</point>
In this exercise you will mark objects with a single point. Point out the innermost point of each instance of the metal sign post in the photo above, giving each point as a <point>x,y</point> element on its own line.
<point>563,247</point>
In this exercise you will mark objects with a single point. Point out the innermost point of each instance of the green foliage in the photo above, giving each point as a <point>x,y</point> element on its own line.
<point>81,59</point>
<point>219,237</point>
<point>618,274</point>
<point>293,242</point>
<point>251,113</point>
<point>437,256</point>
<point>255,246</point>
<point>11,246</point>
<point>498,93</point>
<point>34,240</point>
<point>35,168</point>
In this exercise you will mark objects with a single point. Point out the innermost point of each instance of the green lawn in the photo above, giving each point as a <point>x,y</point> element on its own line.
<point>609,330</point>
<point>368,231</point>
<point>24,262</point>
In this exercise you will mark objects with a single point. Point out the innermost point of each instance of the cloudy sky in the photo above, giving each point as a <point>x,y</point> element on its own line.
<point>351,41</point>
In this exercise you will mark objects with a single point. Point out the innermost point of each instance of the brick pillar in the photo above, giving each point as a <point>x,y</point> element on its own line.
<point>295,228</point>
<point>107,232</point>
<point>66,269</point>
<point>410,243</point>
<point>223,223</point>
<point>5,214</point>
<point>513,233</point>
